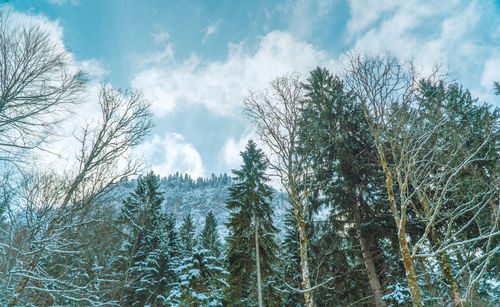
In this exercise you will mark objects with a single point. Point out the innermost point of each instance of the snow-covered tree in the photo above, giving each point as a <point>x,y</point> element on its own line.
<point>201,281</point>
<point>435,145</point>
<point>146,254</point>
<point>50,207</point>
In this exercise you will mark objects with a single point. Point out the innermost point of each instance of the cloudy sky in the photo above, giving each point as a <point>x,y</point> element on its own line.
<point>197,60</point>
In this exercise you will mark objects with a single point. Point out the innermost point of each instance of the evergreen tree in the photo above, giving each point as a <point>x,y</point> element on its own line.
<point>201,281</point>
<point>251,225</point>
<point>335,133</point>
<point>291,261</point>
<point>145,256</point>
<point>209,238</point>
<point>187,237</point>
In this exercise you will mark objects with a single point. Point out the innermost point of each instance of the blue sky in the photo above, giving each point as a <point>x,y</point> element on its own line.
<point>196,60</point>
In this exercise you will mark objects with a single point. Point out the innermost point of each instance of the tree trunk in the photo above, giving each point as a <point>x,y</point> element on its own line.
<point>22,283</point>
<point>304,265</point>
<point>368,259</point>
<point>442,258</point>
<point>257,262</point>
<point>411,276</point>
<point>445,267</point>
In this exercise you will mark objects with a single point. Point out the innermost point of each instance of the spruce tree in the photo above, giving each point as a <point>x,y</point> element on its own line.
<point>335,133</point>
<point>145,256</point>
<point>187,237</point>
<point>209,238</point>
<point>201,281</point>
<point>251,225</point>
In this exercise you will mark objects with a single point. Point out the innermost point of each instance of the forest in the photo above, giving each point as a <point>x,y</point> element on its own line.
<point>389,179</point>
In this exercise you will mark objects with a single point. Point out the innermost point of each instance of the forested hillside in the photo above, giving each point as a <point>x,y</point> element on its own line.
<point>184,195</point>
<point>375,185</point>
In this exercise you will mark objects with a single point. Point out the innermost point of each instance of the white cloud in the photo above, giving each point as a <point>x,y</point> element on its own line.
<point>304,16</point>
<point>61,2</point>
<point>170,154</point>
<point>443,33</point>
<point>62,143</point>
<point>230,153</point>
<point>491,71</point>
<point>210,30</point>
<point>95,69</point>
<point>366,13</point>
<point>221,85</point>
<point>161,37</point>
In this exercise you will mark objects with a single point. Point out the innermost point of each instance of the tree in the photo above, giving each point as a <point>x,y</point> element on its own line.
<point>63,204</point>
<point>37,84</point>
<point>424,162</point>
<point>277,118</point>
<point>249,199</point>
<point>187,239</point>
<point>209,238</point>
<point>334,133</point>
<point>146,254</point>
<point>201,280</point>
<point>463,192</point>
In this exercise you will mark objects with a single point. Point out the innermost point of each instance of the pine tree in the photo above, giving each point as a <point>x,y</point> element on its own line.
<point>335,133</point>
<point>145,256</point>
<point>201,280</point>
<point>209,238</point>
<point>251,226</point>
<point>187,237</point>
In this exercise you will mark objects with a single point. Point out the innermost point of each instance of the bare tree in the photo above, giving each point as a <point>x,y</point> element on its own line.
<point>276,115</point>
<point>63,204</point>
<point>36,82</point>
<point>423,161</point>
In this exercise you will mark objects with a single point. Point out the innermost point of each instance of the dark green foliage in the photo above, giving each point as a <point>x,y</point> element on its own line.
<point>464,127</point>
<point>201,280</point>
<point>146,256</point>
<point>348,182</point>
<point>187,239</point>
<point>209,238</point>
<point>249,198</point>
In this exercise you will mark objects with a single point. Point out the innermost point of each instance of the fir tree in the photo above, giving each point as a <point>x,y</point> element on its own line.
<point>145,256</point>
<point>209,238</point>
<point>201,281</point>
<point>187,236</point>
<point>251,225</point>
<point>335,133</point>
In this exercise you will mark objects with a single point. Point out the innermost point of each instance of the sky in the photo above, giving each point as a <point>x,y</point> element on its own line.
<point>197,60</point>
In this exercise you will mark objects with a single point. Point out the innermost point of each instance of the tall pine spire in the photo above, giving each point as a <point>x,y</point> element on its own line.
<point>251,226</point>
